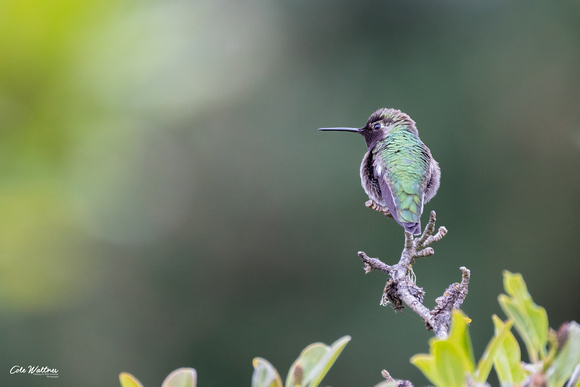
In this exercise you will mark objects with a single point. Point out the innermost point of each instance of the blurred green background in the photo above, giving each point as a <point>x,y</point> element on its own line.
<point>166,200</point>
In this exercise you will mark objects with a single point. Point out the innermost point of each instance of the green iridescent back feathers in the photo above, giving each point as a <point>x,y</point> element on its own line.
<point>407,166</point>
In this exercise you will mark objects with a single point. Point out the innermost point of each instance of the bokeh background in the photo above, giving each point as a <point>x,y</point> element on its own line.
<point>166,200</point>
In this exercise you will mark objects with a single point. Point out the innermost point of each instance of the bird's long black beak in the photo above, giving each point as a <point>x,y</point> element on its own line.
<point>355,130</point>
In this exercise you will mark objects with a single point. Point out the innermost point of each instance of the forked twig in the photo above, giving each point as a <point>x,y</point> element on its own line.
<point>401,287</point>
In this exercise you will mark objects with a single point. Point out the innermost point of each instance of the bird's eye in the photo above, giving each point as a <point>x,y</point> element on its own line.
<point>377,126</point>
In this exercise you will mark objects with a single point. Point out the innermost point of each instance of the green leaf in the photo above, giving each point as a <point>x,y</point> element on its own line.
<point>265,375</point>
<point>567,359</point>
<point>307,360</point>
<point>459,337</point>
<point>552,349</point>
<point>128,380</point>
<point>449,362</point>
<point>507,360</point>
<point>181,377</point>
<point>426,364</point>
<point>314,362</point>
<point>530,320</point>
<point>494,345</point>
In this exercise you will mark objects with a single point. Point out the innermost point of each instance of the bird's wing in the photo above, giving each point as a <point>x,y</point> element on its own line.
<point>402,200</point>
<point>403,174</point>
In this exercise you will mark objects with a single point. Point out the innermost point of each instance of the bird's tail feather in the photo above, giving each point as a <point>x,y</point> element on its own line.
<point>413,228</point>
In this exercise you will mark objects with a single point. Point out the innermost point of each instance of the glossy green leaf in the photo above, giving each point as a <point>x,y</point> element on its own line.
<point>324,366</point>
<point>314,362</point>
<point>494,345</point>
<point>449,360</point>
<point>426,364</point>
<point>459,337</point>
<point>530,320</point>
<point>181,377</point>
<point>450,364</point>
<point>567,358</point>
<point>507,360</point>
<point>265,375</point>
<point>128,380</point>
<point>307,361</point>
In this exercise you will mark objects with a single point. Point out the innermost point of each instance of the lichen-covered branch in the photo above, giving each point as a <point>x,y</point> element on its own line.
<point>400,383</point>
<point>401,287</point>
<point>451,299</point>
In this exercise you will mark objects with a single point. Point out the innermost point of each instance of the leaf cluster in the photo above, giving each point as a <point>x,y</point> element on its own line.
<point>307,371</point>
<point>554,357</point>
<point>181,377</point>
<point>451,363</point>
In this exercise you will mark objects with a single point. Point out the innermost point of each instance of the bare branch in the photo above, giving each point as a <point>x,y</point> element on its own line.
<point>400,383</point>
<point>452,298</point>
<point>401,287</point>
<point>419,243</point>
<point>373,263</point>
<point>425,253</point>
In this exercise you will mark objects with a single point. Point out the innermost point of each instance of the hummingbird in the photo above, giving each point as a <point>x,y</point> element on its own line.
<point>398,172</point>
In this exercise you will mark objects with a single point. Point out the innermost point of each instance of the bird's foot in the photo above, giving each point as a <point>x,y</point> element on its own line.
<point>377,207</point>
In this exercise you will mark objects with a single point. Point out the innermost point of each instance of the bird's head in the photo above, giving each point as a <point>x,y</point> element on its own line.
<point>380,124</point>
